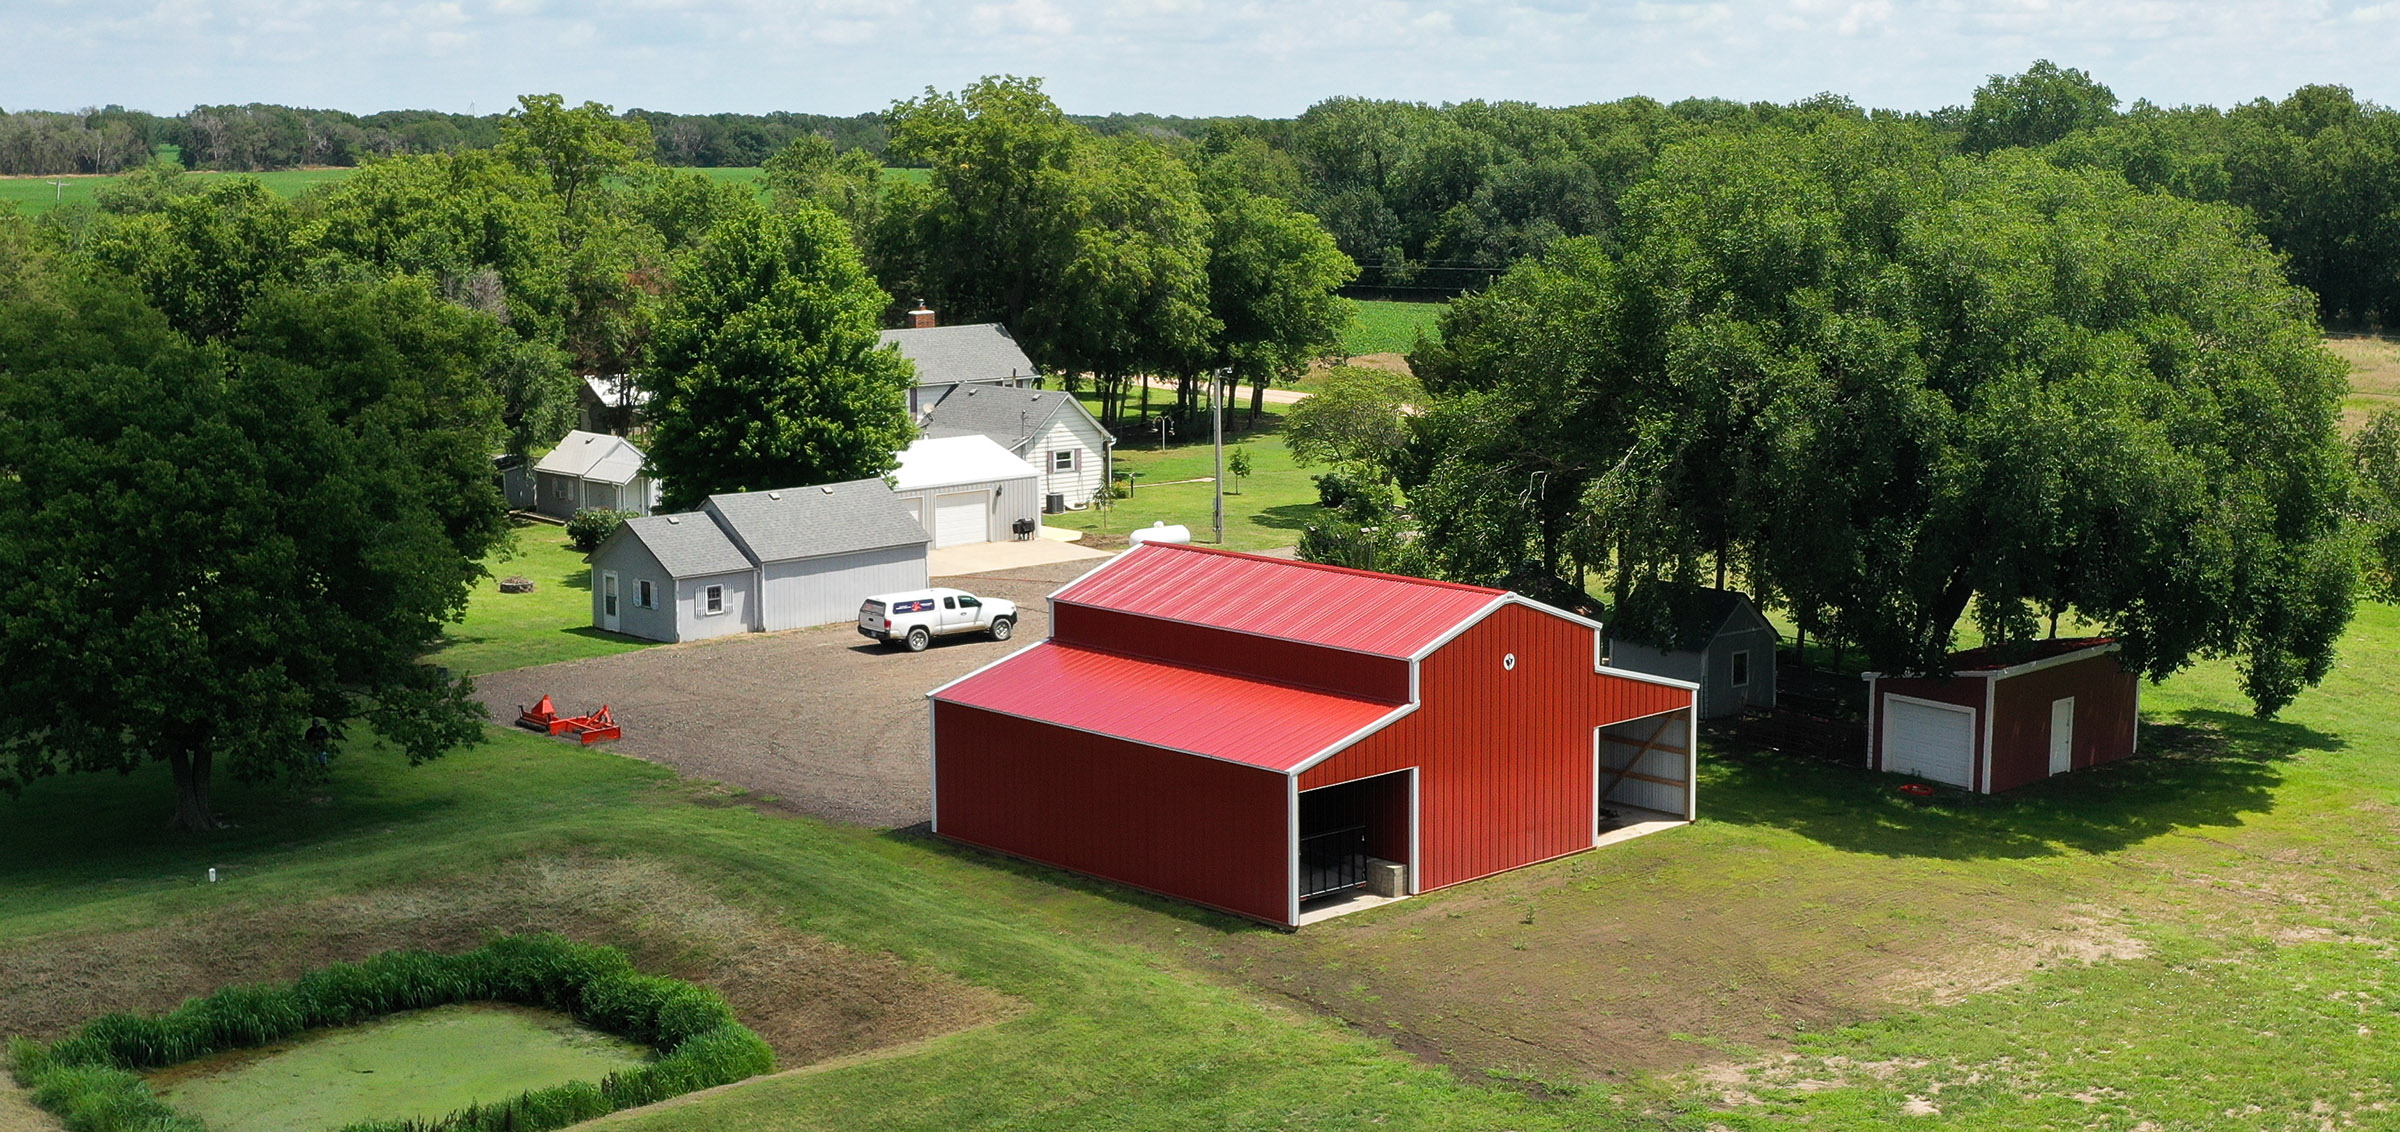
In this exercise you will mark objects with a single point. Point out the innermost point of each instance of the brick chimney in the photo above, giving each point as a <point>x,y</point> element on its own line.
<point>922,317</point>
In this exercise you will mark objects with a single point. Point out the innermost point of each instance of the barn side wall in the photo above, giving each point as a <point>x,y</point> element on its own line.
<point>819,591</point>
<point>1265,658</point>
<point>1505,755</point>
<point>1965,691</point>
<point>1198,829</point>
<point>2107,704</point>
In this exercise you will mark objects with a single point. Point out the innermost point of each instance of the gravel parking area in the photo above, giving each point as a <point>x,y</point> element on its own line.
<point>826,721</point>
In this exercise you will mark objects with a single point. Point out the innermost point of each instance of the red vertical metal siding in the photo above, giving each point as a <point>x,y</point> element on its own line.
<point>2106,710</point>
<point>1210,832</point>
<point>1965,691</point>
<point>1504,756</point>
<point>1262,658</point>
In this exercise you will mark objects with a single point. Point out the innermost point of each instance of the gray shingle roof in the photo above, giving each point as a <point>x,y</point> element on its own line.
<point>945,355</point>
<point>688,546</point>
<point>806,522</point>
<point>1005,413</point>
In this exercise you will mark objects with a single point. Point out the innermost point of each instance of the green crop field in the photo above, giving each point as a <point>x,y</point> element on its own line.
<point>36,195</point>
<point>1384,327</point>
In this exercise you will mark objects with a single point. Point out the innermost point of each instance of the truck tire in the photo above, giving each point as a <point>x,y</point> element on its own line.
<point>918,638</point>
<point>1003,628</point>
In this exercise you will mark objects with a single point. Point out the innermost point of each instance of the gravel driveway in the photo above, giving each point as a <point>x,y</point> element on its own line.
<point>830,723</point>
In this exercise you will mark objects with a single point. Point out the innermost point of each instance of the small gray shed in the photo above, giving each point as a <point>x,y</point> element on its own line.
<point>1719,641</point>
<point>822,550</point>
<point>757,561</point>
<point>591,469</point>
<point>672,578</point>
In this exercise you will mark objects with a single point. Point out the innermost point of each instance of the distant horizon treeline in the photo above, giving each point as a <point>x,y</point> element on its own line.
<point>260,137</point>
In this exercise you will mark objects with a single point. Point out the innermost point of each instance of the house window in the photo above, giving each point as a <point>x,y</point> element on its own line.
<point>644,596</point>
<point>712,600</point>
<point>1741,669</point>
<point>1062,460</point>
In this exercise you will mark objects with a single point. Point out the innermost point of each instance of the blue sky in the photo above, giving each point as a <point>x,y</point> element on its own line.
<point>1165,56</point>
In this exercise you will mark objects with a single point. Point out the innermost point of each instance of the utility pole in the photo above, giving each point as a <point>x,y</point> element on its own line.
<point>1216,426</point>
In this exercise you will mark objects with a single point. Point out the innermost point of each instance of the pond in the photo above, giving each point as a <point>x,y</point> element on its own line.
<point>423,1064</point>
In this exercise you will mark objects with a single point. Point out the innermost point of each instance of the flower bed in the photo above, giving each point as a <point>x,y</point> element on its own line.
<point>92,1078</point>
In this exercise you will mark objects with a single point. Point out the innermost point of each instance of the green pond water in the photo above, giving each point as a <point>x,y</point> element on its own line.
<point>423,1064</point>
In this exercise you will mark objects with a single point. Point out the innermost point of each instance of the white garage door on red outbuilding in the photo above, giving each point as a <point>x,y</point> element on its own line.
<point>1932,741</point>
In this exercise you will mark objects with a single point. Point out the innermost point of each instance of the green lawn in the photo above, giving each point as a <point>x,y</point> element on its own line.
<point>1265,511</point>
<point>1384,327</point>
<point>553,623</point>
<point>2242,871</point>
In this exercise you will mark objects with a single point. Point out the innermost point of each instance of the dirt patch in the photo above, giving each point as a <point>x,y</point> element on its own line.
<point>2008,953</point>
<point>809,998</point>
<point>17,1114</point>
<point>1396,363</point>
<point>821,721</point>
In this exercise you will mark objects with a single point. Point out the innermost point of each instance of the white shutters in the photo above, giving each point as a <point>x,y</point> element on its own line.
<point>960,518</point>
<point>2062,735</point>
<point>1931,741</point>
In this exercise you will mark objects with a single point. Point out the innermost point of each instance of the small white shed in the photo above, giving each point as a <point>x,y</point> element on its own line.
<point>965,489</point>
<point>592,469</point>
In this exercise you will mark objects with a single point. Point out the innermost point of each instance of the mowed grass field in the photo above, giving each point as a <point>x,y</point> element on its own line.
<point>1264,511</point>
<point>551,624</point>
<point>2374,377</point>
<point>36,195</point>
<point>2198,938</point>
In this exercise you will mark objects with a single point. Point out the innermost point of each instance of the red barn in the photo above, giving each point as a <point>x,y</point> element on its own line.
<point>1247,733</point>
<point>2007,716</point>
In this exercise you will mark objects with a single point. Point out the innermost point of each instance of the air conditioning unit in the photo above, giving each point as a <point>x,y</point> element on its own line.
<point>1054,503</point>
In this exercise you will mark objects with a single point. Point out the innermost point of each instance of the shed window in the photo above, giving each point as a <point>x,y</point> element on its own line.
<point>1741,669</point>
<point>712,600</point>
<point>1062,460</point>
<point>645,595</point>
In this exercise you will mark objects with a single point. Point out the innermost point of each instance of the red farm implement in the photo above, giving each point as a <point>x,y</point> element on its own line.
<point>587,729</point>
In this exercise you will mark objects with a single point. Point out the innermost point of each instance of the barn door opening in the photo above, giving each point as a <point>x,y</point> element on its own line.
<point>1645,770</point>
<point>1346,829</point>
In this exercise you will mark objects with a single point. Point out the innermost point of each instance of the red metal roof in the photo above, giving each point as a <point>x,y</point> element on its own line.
<point>1381,614</point>
<point>1165,705</point>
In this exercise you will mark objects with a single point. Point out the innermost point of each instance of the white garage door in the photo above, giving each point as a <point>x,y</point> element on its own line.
<point>959,519</point>
<point>1931,742</point>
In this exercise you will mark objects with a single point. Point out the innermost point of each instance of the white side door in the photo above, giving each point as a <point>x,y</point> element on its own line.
<point>960,518</point>
<point>608,600</point>
<point>2062,735</point>
<point>1929,740</point>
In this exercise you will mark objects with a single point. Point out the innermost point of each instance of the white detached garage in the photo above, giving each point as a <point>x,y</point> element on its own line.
<point>965,489</point>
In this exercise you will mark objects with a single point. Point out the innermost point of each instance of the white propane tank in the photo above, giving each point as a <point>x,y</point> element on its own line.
<point>1161,532</point>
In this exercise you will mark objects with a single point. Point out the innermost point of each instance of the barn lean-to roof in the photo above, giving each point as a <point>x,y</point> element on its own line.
<point>1356,610</point>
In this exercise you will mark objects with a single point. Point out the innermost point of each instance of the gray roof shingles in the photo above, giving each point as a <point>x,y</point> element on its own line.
<point>1006,414</point>
<point>946,355</point>
<point>687,546</point>
<point>808,522</point>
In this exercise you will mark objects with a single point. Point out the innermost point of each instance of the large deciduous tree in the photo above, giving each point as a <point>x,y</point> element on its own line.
<point>1272,274</point>
<point>988,234</point>
<point>767,368</point>
<point>222,555</point>
<point>1892,388</point>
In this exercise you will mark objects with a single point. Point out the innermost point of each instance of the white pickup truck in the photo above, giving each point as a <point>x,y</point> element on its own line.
<point>916,617</point>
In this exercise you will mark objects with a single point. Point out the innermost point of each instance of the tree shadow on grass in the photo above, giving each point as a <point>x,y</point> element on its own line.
<point>590,633</point>
<point>921,835</point>
<point>2195,768</point>
<point>1290,516</point>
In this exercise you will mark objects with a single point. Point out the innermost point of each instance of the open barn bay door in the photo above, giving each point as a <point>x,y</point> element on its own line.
<point>1644,765</point>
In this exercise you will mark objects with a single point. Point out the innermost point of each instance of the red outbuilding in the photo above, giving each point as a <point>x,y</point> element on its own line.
<point>1249,733</point>
<point>2006,716</point>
